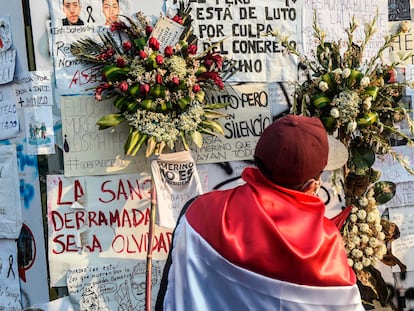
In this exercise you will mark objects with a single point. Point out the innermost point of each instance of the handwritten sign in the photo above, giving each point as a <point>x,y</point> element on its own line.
<point>391,169</point>
<point>239,28</point>
<point>10,208</point>
<point>9,117</point>
<point>248,115</point>
<point>112,286</point>
<point>95,220</point>
<point>335,16</point>
<point>34,94</point>
<point>9,276</point>
<point>176,180</point>
<point>88,150</point>
<point>402,248</point>
<point>167,32</point>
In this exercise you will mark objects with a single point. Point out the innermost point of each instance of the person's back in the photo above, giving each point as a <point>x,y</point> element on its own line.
<point>261,246</point>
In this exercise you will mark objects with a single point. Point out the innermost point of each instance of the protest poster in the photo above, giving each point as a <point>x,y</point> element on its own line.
<point>7,55</point>
<point>88,150</point>
<point>113,286</point>
<point>176,181</point>
<point>237,30</point>
<point>94,220</point>
<point>10,208</point>
<point>335,16</point>
<point>33,91</point>
<point>10,298</point>
<point>9,115</point>
<point>248,114</point>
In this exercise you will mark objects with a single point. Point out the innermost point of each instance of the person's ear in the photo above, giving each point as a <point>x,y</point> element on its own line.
<point>312,186</point>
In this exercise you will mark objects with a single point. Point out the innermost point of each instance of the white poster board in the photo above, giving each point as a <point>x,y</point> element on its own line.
<point>10,208</point>
<point>95,220</point>
<point>88,150</point>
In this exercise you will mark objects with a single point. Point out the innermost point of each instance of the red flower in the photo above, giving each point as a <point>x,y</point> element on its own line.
<point>144,89</point>
<point>158,79</point>
<point>196,88</point>
<point>214,76</point>
<point>168,51</point>
<point>148,29</point>
<point>192,49</point>
<point>159,59</point>
<point>120,62</point>
<point>213,58</point>
<point>143,54</point>
<point>175,80</point>
<point>127,45</point>
<point>154,44</point>
<point>123,86</point>
<point>178,19</point>
<point>100,89</point>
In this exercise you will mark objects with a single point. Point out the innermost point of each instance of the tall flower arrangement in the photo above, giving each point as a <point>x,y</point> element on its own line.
<point>360,104</point>
<point>159,92</point>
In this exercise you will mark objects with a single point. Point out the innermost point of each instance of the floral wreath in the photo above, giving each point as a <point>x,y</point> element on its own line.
<point>360,103</point>
<point>160,93</point>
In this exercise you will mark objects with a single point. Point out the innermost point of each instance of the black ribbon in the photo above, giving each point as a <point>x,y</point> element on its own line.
<point>11,267</point>
<point>90,17</point>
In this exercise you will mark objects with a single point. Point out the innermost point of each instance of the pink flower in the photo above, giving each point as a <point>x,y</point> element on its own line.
<point>120,62</point>
<point>144,89</point>
<point>154,44</point>
<point>168,51</point>
<point>175,80</point>
<point>159,59</point>
<point>158,79</point>
<point>123,86</point>
<point>143,54</point>
<point>178,19</point>
<point>196,88</point>
<point>127,45</point>
<point>192,49</point>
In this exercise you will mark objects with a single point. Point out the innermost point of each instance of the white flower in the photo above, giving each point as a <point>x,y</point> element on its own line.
<point>364,238</point>
<point>373,242</point>
<point>369,251</point>
<point>366,104</point>
<point>334,113</point>
<point>358,266</point>
<point>351,126</point>
<point>346,73</point>
<point>353,218</point>
<point>366,262</point>
<point>362,214</point>
<point>363,201</point>
<point>323,86</point>
<point>337,71</point>
<point>364,82</point>
<point>350,262</point>
<point>356,253</point>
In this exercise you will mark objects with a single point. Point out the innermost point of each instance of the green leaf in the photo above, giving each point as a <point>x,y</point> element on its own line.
<point>384,191</point>
<point>197,138</point>
<point>362,157</point>
<point>110,120</point>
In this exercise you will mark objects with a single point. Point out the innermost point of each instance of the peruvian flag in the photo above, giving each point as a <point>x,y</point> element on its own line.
<point>258,247</point>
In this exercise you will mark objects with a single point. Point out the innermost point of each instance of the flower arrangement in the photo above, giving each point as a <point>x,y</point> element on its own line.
<point>360,104</point>
<point>160,93</point>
